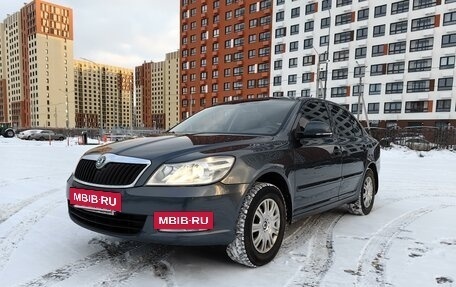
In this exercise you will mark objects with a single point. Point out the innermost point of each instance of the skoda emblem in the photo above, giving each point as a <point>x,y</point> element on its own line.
<point>100,162</point>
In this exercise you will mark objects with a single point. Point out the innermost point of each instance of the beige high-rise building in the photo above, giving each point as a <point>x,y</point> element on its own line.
<point>103,95</point>
<point>37,62</point>
<point>157,93</point>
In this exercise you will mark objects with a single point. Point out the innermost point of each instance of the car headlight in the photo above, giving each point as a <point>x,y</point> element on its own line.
<point>201,171</point>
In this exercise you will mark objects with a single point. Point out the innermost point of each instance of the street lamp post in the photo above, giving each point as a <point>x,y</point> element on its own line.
<point>101,94</point>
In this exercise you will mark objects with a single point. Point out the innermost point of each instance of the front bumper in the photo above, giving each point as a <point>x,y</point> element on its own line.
<point>135,222</point>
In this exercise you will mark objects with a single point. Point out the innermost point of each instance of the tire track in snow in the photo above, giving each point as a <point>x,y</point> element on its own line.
<point>116,253</point>
<point>371,266</point>
<point>151,257</point>
<point>11,237</point>
<point>9,210</point>
<point>319,246</point>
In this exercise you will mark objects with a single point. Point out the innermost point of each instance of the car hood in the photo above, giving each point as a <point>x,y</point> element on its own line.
<point>166,148</point>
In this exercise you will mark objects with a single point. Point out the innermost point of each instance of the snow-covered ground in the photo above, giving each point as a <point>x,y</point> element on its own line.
<point>409,239</point>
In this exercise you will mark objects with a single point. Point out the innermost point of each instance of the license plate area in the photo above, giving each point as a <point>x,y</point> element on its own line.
<point>183,221</point>
<point>95,200</point>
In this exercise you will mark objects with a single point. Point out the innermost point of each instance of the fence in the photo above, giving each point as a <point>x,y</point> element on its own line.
<point>432,137</point>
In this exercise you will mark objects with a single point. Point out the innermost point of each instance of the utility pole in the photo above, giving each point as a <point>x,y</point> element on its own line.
<point>361,95</point>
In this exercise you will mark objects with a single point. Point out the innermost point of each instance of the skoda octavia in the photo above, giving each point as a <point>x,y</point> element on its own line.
<point>233,174</point>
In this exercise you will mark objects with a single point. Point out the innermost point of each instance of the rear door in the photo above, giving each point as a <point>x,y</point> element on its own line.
<point>353,144</point>
<point>317,161</point>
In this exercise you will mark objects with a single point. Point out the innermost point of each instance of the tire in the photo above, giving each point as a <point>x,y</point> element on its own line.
<point>42,139</point>
<point>9,134</point>
<point>249,247</point>
<point>61,138</point>
<point>363,205</point>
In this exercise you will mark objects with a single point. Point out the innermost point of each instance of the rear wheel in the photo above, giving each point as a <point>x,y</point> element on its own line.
<point>9,133</point>
<point>260,227</point>
<point>363,205</point>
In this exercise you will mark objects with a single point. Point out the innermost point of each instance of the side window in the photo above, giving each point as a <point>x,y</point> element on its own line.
<point>346,124</point>
<point>313,111</point>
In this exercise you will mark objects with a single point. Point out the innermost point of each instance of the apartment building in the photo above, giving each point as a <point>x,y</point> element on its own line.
<point>103,95</point>
<point>37,62</point>
<point>225,52</point>
<point>157,93</point>
<point>400,55</point>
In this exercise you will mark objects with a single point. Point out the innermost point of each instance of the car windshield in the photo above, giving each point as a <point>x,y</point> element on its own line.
<point>256,117</point>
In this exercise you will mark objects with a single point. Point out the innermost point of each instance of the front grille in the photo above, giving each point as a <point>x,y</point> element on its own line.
<point>113,173</point>
<point>121,223</point>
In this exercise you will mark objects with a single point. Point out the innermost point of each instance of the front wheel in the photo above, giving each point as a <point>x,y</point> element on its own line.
<point>363,205</point>
<point>260,227</point>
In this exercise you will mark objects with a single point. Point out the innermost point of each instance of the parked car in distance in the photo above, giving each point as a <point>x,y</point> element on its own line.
<point>233,174</point>
<point>46,135</point>
<point>420,144</point>
<point>26,135</point>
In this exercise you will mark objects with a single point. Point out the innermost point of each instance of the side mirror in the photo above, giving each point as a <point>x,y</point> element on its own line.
<point>315,129</point>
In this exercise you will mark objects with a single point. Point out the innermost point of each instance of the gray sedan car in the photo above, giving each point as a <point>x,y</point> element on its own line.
<point>46,135</point>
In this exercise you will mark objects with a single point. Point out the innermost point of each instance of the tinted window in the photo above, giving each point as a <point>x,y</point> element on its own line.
<point>313,111</point>
<point>346,125</point>
<point>258,117</point>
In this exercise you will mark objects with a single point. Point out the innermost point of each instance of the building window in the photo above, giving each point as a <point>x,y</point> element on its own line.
<point>397,48</point>
<point>262,52</point>
<point>443,106</point>
<point>379,30</point>
<point>308,43</point>
<point>363,14</point>
<point>360,53</point>
<point>421,4</point>
<point>358,90</point>
<point>419,86</point>
<point>449,40</point>
<point>280,32</point>
<point>420,65</point>
<point>392,108</point>
<point>359,71</point>
<point>308,60</point>
<point>340,3</point>
<point>423,23</point>
<point>324,40</point>
<point>291,94</point>
<point>294,46</point>
<point>357,108</point>
<point>394,88</point>
<point>343,37</point>
<point>361,33</point>
<point>278,65</point>
<point>326,4</point>
<point>252,54</point>
<point>378,50</point>
<point>339,92</point>
<point>279,49</point>
<point>277,81</point>
<point>380,11</point>
<point>311,8</point>
<point>449,19</point>
<point>325,22</point>
<point>280,16</point>
<point>343,18</point>
<point>422,44</point>
<point>396,68</point>
<point>307,77</point>
<point>375,89</point>
<point>308,26</point>
<point>251,84</point>
<point>305,93</point>
<point>447,62</point>
<point>340,74</point>
<point>292,79</point>
<point>445,84</point>
<point>340,56</point>
<point>376,70</point>
<point>398,27</point>
<point>416,107</point>
<point>295,12</point>
<point>373,108</point>
<point>400,7</point>
<point>294,29</point>
<point>293,62</point>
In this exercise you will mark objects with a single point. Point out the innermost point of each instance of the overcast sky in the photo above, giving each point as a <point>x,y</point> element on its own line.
<point>118,32</point>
